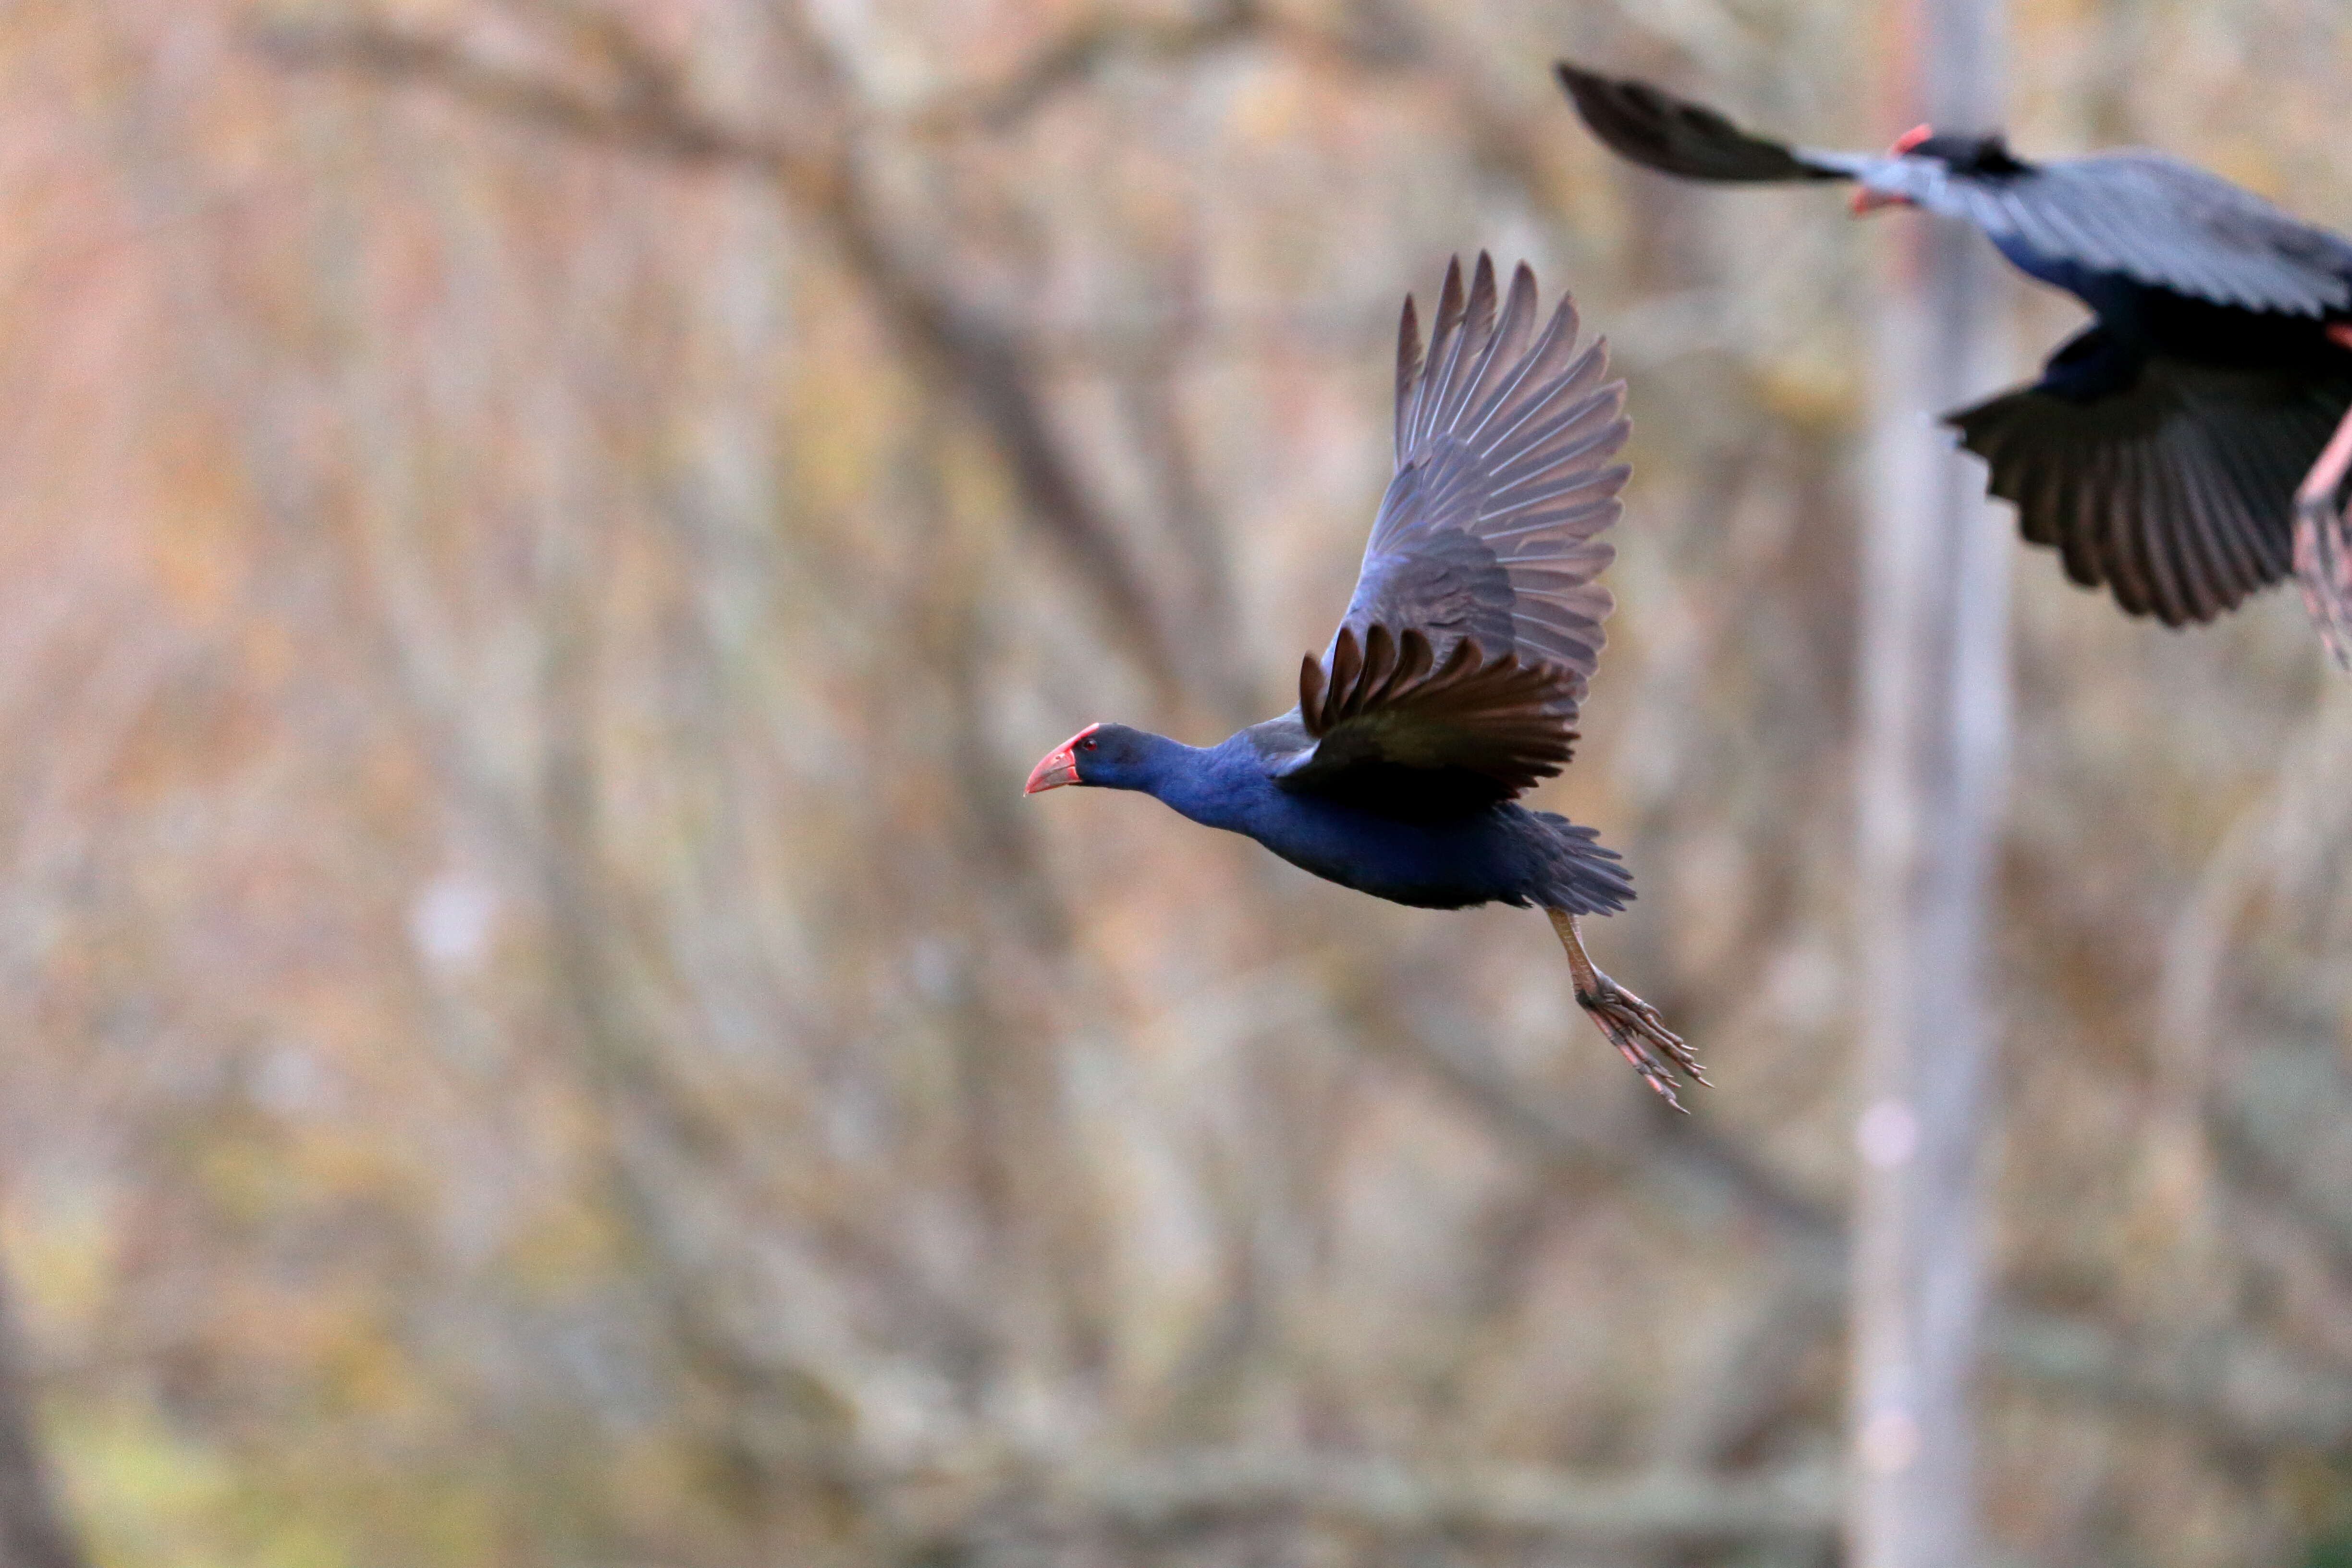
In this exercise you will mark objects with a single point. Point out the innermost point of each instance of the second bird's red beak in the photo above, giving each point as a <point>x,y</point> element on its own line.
<point>1059,766</point>
<point>1866,200</point>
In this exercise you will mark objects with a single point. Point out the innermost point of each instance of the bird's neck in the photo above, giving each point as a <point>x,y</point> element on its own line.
<point>1194,781</point>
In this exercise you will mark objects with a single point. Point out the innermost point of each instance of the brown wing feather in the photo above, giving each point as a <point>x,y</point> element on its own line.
<point>1391,701</point>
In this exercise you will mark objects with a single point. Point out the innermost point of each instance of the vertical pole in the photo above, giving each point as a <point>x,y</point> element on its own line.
<point>1933,753</point>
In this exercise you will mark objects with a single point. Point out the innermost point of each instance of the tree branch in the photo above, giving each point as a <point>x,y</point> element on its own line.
<point>1659,1508</point>
<point>1071,61</point>
<point>651,113</point>
<point>650,116</point>
<point>2240,1392</point>
<point>1184,1490</point>
<point>2244,1395</point>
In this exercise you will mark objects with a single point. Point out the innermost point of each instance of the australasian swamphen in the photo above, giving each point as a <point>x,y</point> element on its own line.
<point>1454,680</point>
<point>2179,449</point>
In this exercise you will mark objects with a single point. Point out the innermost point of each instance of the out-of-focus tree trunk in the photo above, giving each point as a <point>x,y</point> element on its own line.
<point>33,1532</point>
<point>1935,725</point>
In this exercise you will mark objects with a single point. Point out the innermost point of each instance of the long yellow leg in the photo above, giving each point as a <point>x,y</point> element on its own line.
<point>1631,1025</point>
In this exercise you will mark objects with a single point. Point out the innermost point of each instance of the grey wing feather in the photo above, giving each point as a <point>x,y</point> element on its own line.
<point>1674,136</point>
<point>1455,679</point>
<point>1490,529</point>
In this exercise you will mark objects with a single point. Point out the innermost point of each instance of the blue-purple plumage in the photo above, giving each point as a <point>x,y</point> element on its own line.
<point>1454,681</point>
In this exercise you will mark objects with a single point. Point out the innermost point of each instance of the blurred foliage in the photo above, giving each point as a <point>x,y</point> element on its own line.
<point>542,537</point>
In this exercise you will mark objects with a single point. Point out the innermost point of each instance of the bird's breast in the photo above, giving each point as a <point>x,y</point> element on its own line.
<point>1434,865</point>
<point>2113,297</point>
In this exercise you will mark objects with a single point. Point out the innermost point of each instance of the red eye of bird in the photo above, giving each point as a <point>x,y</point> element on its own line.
<point>1086,745</point>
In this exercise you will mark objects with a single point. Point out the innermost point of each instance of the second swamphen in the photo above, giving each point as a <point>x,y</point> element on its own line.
<point>2188,447</point>
<point>1454,680</point>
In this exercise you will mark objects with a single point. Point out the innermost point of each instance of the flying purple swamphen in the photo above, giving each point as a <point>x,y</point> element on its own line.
<point>1453,682</point>
<point>2179,449</point>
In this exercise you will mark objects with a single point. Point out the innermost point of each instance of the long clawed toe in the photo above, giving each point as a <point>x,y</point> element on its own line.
<point>1642,1038</point>
<point>2323,535</point>
<point>2323,564</point>
<point>1631,1025</point>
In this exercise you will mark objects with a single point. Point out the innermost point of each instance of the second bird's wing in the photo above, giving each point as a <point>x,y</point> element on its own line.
<point>1658,131</point>
<point>1457,673</point>
<point>2171,483</point>
<point>2146,217</point>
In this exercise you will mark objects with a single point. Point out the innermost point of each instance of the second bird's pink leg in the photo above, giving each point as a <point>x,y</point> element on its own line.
<point>2323,542</point>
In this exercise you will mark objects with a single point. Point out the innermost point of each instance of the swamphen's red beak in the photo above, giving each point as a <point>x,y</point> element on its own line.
<point>1866,200</point>
<point>1059,766</point>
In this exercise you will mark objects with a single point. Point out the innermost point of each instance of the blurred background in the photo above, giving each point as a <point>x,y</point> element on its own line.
<point>540,539</point>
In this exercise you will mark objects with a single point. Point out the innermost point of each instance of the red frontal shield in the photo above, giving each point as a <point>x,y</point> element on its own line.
<point>1059,766</point>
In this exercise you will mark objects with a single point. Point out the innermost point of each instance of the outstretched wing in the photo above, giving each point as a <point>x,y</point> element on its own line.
<point>2171,483</point>
<point>2142,215</point>
<point>1490,527</point>
<point>1674,136</point>
<point>1456,675</point>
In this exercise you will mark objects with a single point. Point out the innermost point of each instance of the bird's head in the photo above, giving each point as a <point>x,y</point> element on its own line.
<point>1970,157</point>
<point>1110,756</point>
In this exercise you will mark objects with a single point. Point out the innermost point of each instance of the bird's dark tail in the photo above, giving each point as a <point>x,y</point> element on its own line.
<point>1581,877</point>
